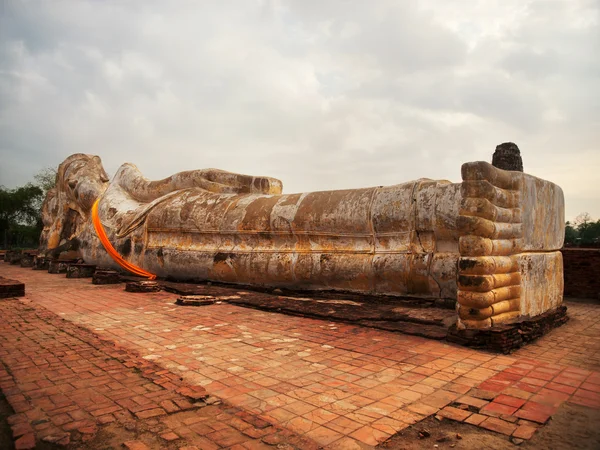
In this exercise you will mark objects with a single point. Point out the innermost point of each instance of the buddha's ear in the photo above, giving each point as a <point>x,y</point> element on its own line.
<point>103,175</point>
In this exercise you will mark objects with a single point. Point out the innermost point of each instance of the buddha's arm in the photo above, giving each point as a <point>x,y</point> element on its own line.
<point>213,180</point>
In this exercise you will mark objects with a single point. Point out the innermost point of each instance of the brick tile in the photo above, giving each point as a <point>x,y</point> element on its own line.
<point>497,409</point>
<point>589,387</point>
<point>506,376</point>
<point>493,386</point>
<point>344,425</point>
<point>226,437</point>
<point>422,408</point>
<point>344,443</point>
<point>320,416</point>
<point>472,401</point>
<point>169,406</point>
<point>282,415</point>
<point>457,387</point>
<point>454,413</point>
<point>369,435</point>
<point>533,416</point>
<point>550,398</point>
<point>475,419</point>
<point>406,416</point>
<point>535,381</point>
<point>19,429</point>
<point>509,401</point>
<point>105,410</point>
<point>299,407</point>
<point>135,445</point>
<point>440,398</point>
<point>498,425</point>
<point>519,393</point>
<point>389,425</point>
<point>150,413</point>
<point>534,406</point>
<point>108,418</point>
<point>26,441</point>
<point>408,395</point>
<point>526,387</point>
<point>323,435</point>
<point>524,432</point>
<point>540,375</point>
<point>561,379</point>
<point>169,436</point>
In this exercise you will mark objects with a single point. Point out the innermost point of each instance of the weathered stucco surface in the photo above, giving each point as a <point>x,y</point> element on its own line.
<point>541,282</point>
<point>376,240</point>
<point>487,242</point>
<point>543,213</point>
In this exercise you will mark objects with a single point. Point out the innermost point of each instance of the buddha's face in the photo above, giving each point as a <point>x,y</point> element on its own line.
<point>83,180</point>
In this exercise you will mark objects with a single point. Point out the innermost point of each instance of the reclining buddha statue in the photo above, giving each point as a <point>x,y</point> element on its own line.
<point>490,242</point>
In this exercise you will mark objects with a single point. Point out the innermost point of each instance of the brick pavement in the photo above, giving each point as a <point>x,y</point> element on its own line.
<point>63,383</point>
<point>336,384</point>
<point>577,344</point>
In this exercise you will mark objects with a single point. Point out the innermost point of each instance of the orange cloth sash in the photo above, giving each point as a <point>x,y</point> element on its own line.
<point>111,250</point>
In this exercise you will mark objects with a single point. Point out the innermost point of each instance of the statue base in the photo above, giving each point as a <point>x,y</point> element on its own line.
<point>103,276</point>
<point>142,286</point>
<point>81,270</point>
<point>27,260</point>
<point>59,266</point>
<point>41,263</point>
<point>510,337</point>
<point>11,288</point>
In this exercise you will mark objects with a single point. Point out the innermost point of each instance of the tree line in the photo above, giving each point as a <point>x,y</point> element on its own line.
<point>583,231</point>
<point>20,211</point>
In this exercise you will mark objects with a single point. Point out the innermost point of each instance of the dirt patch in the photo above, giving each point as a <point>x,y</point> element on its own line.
<point>571,427</point>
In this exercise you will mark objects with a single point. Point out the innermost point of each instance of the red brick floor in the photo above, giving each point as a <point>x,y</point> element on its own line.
<point>63,383</point>
<point>577,344</point>
<point>334,383</point>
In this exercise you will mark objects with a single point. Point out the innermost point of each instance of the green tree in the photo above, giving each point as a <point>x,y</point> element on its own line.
<point>583,231</point>
<point>20,210</point>
<point>20,214</point>
<point>571,234</point>
<point>589,233</point>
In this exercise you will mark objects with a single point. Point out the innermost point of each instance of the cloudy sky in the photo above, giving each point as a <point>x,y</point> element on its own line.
<point>321,94</point>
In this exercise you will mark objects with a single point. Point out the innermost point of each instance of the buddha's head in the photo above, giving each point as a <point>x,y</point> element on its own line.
<point>80,180</point>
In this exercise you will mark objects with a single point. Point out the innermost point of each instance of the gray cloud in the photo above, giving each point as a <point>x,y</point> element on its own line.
<point>323,95</point>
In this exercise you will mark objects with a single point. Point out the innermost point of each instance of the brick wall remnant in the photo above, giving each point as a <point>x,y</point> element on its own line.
<point>508,157</point>
<point>582,272</point>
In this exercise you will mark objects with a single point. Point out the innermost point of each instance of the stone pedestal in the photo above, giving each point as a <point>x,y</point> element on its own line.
<point>103,276</point>
<point>59,266</point>
<point>80,270</point>
<point>13,256</point>
<point>11,288</point>
<point>40,263</point>
<point>142,286</point>
<point>26,260</point>
<point>195,300</point>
